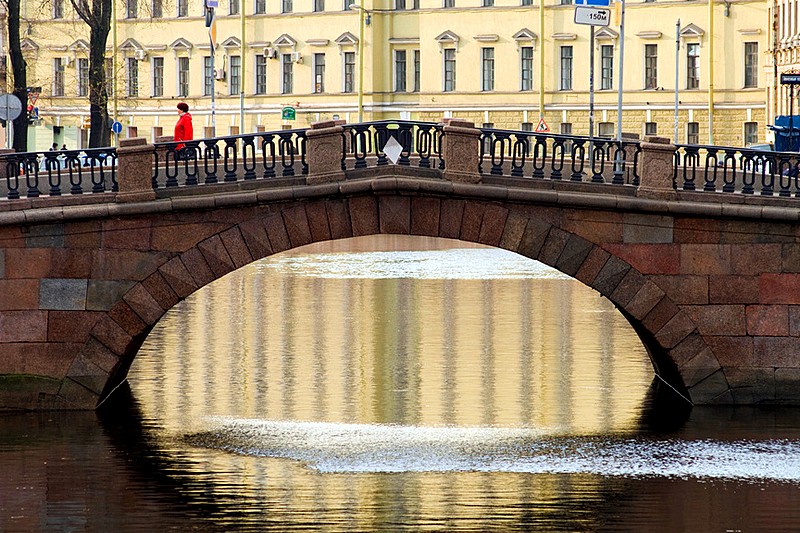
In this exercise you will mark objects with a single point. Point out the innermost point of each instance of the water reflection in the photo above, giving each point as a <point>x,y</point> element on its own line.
<point>397,338</point>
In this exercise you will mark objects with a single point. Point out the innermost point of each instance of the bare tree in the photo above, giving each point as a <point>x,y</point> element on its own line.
<point>19,75</point>
<point>97,15</point>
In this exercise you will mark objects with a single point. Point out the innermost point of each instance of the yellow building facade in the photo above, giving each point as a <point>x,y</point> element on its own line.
<point>491,61</point>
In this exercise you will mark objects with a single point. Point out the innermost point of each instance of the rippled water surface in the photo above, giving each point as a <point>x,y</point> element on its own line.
<point>386,384</point>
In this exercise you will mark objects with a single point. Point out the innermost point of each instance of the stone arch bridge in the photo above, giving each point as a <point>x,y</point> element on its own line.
<point>710,280</point>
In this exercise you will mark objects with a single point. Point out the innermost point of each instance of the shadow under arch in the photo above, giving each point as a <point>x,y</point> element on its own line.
<point>669,334</point>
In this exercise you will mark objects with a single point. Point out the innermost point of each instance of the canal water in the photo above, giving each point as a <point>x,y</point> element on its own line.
<point>398,384</point>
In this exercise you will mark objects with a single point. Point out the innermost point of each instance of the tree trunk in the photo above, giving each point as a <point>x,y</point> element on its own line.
<point>19,76</point>
<point>98,17</point>
<point>100,132</point>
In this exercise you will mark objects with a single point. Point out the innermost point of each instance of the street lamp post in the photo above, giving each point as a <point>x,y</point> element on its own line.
<point>363,20</point>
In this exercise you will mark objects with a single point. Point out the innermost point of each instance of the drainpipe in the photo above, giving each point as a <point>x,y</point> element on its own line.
<point>242,63</point>
<point>541,59</point>
<point>710,71</point>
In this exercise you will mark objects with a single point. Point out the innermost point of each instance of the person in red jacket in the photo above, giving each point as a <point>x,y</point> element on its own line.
<point>183,128</point>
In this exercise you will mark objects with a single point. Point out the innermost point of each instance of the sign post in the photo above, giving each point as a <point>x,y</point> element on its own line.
<point>211,24</point>
<point>592,13</point>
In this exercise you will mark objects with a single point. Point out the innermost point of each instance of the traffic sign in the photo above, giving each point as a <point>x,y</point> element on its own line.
<point>10,107</point>
<point>542,127</point>
<point>592,16</point>
<point>595,3</point>
<point>790,78</point>
<point>116,127</point>
<point>288,113</point>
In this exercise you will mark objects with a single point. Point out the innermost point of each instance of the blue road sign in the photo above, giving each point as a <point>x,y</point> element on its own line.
<point>116,127</point>
<point>596,3</point>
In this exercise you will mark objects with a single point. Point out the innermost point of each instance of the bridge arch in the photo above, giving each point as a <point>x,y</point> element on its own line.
<point>210,246</point>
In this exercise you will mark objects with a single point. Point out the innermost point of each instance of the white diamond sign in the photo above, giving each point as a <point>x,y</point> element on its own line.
<point>393,149</point>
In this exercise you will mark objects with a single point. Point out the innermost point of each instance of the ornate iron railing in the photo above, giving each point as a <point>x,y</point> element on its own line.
<point>420,144</point>
<point>736,170</point>
<point>53,173</point>
<point>250,156</point>
<point>521,154</point>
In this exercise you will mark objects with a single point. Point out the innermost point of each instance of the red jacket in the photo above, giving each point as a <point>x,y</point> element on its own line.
<point>183,130</point>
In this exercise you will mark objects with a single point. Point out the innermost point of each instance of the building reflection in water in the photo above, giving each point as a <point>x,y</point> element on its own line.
<point>364,338</point>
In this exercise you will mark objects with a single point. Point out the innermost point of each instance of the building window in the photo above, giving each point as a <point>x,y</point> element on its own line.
<point>526,3</point>
<point>401,5</point>
<point>449,69</point>
<point>58,77</point>
<point>693,66</point>
<point>286,6</point>
<point>158,9</point>
<point>487,3</point>
<point>183,76</point>
<point>183,8</point>
<point>526,126</point>
<point>651,128</point>
<point>566,2</point>
<point>605,129</point>
<point>260,7</point>
<point>750,133</point>
<point>606,67</point>
<point>234,83</point>
<point>233,7</point>
<point>208,76</point>
<point>319,73</point>
<point>399,71</point>
<point>109,67</point>
<point>83,76</point>
<point>487,69</point>
<point>650,66</point>
<point>449,3</point>
<point>566,68</point>
<point>158,76</point>
<point>132,76</point>
<point>58,9</point>
<point>131,9</point>
<point>261,74</point>
<point>319,6</point>
<point>349,77</point>
<point>417,70</point>
<point>750,65</point>
<point>565,128</point>
<point>693,133</point>
<point>286,74</point>
<point>526,68</point>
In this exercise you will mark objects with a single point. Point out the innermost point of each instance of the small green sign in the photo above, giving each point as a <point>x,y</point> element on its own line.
<point>288,113</point>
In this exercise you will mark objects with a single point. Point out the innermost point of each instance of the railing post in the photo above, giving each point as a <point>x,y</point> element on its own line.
<point>135,170</point>
<point>461,151</point>
<point>325,145</point>
<point>656,168</point>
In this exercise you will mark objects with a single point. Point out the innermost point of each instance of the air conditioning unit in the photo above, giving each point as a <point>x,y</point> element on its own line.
<point>297,57</point>
<point>270,52</point>
<point>219,73</point>
<point>140,55</point>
